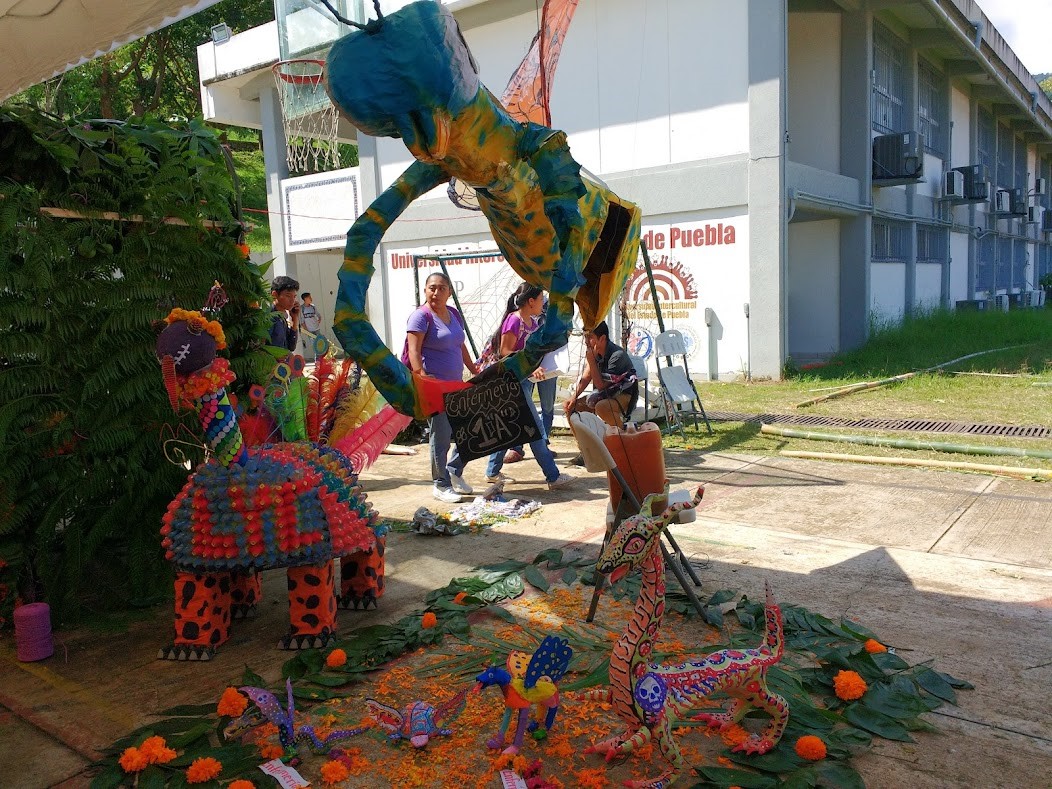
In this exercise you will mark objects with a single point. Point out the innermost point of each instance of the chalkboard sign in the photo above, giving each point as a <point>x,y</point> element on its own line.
<point>490,415</point>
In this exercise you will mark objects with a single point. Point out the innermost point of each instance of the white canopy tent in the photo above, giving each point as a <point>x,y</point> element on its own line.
<point>40,39</point>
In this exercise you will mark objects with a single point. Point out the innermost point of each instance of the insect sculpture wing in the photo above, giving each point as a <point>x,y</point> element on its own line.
<point>526,96</point>
<point>551,660</point>
<point>387,718</point>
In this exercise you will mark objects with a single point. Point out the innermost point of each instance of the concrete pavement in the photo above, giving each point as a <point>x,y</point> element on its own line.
<point>945,566</point>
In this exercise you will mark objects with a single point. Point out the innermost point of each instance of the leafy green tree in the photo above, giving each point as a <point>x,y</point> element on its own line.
<point>1046,85</point>
<point>86,431</point>
<point>156,75</point>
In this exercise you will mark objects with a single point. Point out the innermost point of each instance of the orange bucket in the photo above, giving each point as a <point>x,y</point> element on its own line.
<point>640,459</point>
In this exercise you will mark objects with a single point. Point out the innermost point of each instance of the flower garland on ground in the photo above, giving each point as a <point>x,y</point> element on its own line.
<point>836,710</point>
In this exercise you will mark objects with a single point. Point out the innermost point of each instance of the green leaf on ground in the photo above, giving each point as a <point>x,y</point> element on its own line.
<point>536,578</point>
<point>876,723</point>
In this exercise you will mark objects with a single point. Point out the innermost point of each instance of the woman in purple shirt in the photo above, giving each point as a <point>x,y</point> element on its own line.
<point>435,339</point>
<point>520,321</point>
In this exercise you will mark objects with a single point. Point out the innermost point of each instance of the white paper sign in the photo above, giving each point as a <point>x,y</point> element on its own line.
<point>285,775</point>
<point>511,780</point>
<point>556,362</point>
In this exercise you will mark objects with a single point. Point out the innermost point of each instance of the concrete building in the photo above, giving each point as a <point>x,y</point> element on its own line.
<point>794,160</point>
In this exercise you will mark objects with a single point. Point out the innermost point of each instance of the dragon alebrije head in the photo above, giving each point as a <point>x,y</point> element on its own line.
<point>638,536</point>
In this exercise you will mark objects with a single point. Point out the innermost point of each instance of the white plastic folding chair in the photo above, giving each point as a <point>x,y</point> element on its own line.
<point>589,431</point>
<point>643,375</point>
<point>681,396</point>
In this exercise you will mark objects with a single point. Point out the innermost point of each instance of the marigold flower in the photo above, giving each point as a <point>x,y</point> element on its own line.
<point>734,735</point>
<point>204,769</point>
<point>133,760</point>
<point>460,598</point>
<point>156,750</point>
<point>232,703</point>
<point>849,685</point>
<point>810,747</point>
<point>334,772</point>
<point>241,783</point>
<point>269,751</point>
<point>872,646</point>
<point>428,620</point>
<point>336,658</point>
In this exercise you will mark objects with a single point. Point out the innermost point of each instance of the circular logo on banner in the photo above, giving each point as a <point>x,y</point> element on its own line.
<point>640,342</point>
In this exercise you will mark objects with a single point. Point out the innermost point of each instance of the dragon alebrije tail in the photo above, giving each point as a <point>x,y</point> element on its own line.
<point>774,637</point>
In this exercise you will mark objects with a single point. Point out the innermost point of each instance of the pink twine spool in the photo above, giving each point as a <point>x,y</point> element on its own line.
<point>33,632</point>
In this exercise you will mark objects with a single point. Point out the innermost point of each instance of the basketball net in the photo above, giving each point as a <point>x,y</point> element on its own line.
<point>308,117</point>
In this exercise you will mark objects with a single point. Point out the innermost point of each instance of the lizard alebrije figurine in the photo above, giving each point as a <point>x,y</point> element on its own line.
<point>646,695</point>
<point>420,721</point>
<point>410,74</point>
<point>285,719</point>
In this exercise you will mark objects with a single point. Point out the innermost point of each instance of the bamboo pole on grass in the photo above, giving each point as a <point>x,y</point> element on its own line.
<point>1009,471</point>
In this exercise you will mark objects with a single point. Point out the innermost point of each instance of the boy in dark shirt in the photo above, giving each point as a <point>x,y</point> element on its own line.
<point>611,374</point>
<point>283,334</point>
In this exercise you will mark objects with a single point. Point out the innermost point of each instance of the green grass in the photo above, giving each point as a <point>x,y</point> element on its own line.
<point>918,343</point>
<point>252,174</point>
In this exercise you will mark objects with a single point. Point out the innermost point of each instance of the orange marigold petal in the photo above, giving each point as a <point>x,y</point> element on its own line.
<point>241,783</point>
<point>336,658</point>
<point>133,760</point>
<point>204,769</point>
<point>334,772</point>
<point>428,620</point>
<point>810,747</point>
<point>873,646</point>
<point>849,685</point>
<point>232,703</point>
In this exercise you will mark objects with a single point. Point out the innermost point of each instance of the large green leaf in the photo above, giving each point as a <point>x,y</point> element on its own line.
<point>536,577</point>
<point>726,776</point>
<point>837,775</point>
<point>933,682</point>
<point>876,722</point>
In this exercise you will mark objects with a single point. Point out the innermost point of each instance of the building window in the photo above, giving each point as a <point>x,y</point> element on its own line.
<point>986,264</point>
<point>986,140</point>
<point>889,81</point>
<point>1019,264</point>
<point>1046,171</point>
<point>891,242</point>
<point>1003,277</point>
<point>933,244</point>
<point>1003,177</point>
<point>932,111</point>
<point>1044,260</point>
<point>1020,166</point>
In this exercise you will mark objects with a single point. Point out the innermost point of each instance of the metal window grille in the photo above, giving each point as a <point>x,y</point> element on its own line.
<point>889,81</point>
<point>986,264</point>
<point>1004,156</point>
<point>1046,171</point>
<point>933,244</point>
<point>932,110</point>
<point>1019,264</point>
<point>986,139</point>
<point>891,242</point>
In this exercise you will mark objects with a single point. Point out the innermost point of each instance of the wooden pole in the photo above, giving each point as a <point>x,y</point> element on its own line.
<point>1010,471</point>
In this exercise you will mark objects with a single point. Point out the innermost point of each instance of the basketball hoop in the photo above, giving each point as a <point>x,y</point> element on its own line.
<point>308,117</point>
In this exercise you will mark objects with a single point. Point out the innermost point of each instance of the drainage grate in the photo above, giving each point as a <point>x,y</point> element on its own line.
<point>914,425</point>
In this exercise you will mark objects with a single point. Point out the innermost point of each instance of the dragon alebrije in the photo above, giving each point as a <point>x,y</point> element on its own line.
<point>528,681</point>
<point>647,695</point>
<point>420,721</point>
<point>269,709</point>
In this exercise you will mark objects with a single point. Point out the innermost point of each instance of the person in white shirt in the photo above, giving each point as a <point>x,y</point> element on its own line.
<point>310,326</point>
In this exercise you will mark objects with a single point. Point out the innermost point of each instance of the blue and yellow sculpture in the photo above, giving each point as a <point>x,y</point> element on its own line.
<point>410,75</point>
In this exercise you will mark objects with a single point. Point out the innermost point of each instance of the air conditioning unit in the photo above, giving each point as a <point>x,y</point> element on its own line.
<point>1035,298</point>
<point>1034,214</point>
<point>1040,187</point>
<point>1018,203</point>
<point>897,159</point>
<point>1002,201</point>
<point>953,185</point>
<point>976,183</point>
<point>1046,222</point>
<point>1001,302</point>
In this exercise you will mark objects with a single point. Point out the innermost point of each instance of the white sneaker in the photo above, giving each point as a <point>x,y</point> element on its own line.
<point>561,481</point>
<point>499,477</point>
<point>459,485</point>
<point>447,495</point>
